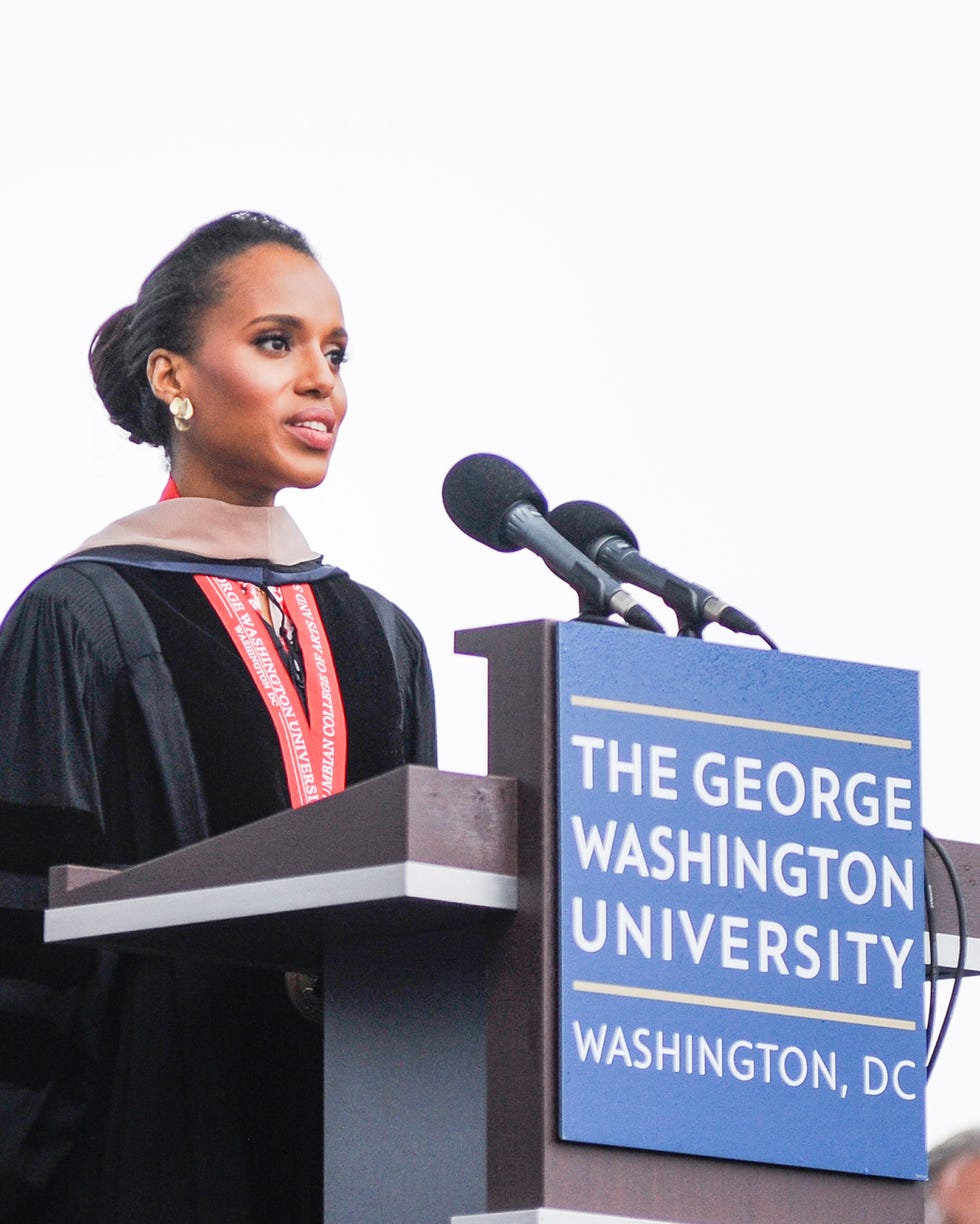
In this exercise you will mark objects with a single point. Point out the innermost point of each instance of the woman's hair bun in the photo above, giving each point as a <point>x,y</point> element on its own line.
<point>120,388</point>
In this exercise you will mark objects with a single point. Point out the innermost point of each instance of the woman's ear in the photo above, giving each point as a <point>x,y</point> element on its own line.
<point>163,373</point>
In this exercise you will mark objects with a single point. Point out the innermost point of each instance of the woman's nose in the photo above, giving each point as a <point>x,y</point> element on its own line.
<point>319,374</point>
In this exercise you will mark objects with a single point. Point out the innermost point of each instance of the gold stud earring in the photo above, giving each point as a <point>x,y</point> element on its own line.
<point>181,409</point>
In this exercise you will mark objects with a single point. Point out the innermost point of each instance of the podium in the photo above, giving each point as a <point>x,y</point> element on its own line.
<point>427,902</point>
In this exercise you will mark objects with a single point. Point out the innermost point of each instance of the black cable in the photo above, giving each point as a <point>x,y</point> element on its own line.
<point>958,973</point>
<point>694,629</point>
<point>933,978</point>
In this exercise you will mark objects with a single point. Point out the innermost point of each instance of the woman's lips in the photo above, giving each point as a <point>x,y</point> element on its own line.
<point>315,434</point>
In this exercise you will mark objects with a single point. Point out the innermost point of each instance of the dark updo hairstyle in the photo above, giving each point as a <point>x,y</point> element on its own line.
<point>166,314</point>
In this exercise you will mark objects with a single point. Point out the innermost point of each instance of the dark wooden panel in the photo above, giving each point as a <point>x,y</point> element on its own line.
<point>966,862</point>
<point>521,977</point>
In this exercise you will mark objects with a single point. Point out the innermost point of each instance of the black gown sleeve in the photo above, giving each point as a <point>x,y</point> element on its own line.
<point>80,782</point>
<point>95,761</point>
<point>59,677</point>
<point>58,680</point>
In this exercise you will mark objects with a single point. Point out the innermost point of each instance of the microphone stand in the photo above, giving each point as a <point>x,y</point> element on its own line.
<point>591,614</point>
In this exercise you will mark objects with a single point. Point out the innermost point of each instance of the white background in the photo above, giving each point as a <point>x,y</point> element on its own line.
<point>715,264</point>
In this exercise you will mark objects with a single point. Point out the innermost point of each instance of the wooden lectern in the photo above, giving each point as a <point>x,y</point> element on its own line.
<point>426,900</point>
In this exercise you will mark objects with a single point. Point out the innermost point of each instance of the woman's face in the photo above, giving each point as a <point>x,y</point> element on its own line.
<point>264,379</point>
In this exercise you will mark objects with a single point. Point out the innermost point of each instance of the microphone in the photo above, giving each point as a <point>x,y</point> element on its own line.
<point>493,501</point>
<point>603,536</point>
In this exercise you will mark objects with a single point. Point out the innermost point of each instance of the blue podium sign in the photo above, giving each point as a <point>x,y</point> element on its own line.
<point>740,893</point>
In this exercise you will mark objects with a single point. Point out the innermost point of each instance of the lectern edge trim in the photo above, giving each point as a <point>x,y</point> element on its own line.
<point>423,881</point>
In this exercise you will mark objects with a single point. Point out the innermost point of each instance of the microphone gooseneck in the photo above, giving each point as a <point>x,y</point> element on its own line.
<point>603,536</point>
<point>493,501</point>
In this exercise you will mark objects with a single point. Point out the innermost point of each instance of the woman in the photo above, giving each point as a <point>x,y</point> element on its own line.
<point>155,687</point>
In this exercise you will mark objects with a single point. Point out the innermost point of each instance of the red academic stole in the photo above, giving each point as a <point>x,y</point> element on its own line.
<point>314,747</point>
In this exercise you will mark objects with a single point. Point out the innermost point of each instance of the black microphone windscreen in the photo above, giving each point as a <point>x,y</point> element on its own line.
<point>480,489</point>
<point>584,523</point>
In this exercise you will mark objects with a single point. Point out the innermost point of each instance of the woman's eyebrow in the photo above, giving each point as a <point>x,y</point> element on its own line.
<point>285,320</point>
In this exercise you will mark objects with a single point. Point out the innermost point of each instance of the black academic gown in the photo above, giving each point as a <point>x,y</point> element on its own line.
<point>141,1089</point>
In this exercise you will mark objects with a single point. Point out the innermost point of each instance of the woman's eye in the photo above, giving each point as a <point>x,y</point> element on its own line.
<point>276,342</point>
<point>336,357</point>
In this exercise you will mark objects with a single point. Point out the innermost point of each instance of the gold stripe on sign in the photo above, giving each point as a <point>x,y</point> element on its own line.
<point>732,720</point>
<point>772,1009</point>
